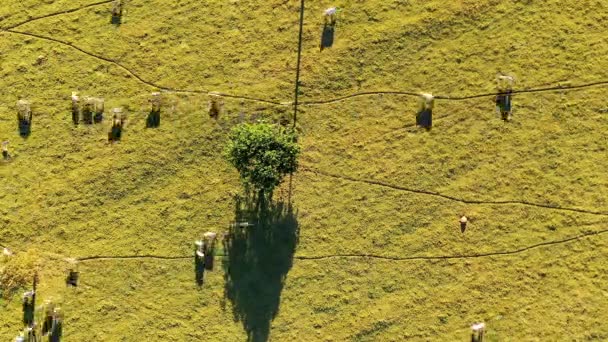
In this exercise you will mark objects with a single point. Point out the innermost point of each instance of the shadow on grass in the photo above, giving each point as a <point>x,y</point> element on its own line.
<point>327,37</point>
<point>57,334</point>
<point>116,19</point>
<point>25,127</point>
<point>98,117</point>
<point>28,313</point>
<point>153,119</point>
<point>424,118</point>
<point>259,258</point>
<point>199,271</point>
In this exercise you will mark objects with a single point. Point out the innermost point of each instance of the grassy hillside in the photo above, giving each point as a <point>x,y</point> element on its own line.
<point>370,249</point>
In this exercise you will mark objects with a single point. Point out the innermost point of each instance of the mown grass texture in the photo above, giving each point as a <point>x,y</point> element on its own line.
<point>365,177</point>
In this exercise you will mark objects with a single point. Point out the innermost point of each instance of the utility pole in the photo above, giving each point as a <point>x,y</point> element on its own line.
<point>295,106</point>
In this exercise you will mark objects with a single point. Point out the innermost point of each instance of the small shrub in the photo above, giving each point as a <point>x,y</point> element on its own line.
<point>17,272</point>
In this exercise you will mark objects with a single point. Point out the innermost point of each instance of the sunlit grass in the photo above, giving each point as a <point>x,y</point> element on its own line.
<point>365,177</point>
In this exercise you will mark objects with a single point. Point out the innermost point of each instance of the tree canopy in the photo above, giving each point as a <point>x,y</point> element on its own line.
<point>263,154</point>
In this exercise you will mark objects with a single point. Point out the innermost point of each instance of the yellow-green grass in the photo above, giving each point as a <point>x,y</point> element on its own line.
<point>244,49</point>
<point>454,47</point>
<point>370,183</point>
<point>544,294</point>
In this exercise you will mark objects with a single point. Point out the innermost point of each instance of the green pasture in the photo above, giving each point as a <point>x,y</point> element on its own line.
<point>363,242</point>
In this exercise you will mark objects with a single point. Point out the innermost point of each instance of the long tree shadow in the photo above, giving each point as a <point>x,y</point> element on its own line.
<point>260,252</point>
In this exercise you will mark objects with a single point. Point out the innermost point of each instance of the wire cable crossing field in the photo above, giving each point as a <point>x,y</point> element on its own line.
<point>296,102</point>
<point>56,14</point>
<point>452,198</point>
<point>359,256</point>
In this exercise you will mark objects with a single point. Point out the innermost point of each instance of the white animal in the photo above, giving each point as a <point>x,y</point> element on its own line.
<point>478,327</point>
<point>210,235</point>
<point>331,11</point>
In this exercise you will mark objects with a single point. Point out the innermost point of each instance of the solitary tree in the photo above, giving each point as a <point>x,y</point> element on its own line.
<point>263,154</point>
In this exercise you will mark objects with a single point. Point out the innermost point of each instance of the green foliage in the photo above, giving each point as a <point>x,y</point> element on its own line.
<point>263,154</point>
<point>17,271</point>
